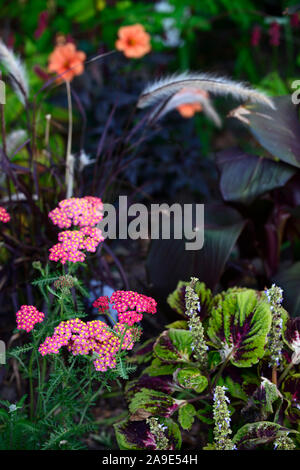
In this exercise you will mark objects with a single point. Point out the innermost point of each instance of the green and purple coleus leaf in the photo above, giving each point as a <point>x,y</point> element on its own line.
<point>254,434</point>
<point>136,435</point>
<point>292,337</point>
<point>186,415</point>
<point>157,368</point>
<point>176,299</point>
<point>191,378</point>
<point>174,346</point>
<point>239,326</point>
<point>291,392</point>
<point>163,383</point>
<point>148,402</point>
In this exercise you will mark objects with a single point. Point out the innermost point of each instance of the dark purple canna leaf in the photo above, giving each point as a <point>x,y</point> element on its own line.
<point>278,131</point>
<point>169,262</point>
<point>288,280</point>
<point>244,177</point>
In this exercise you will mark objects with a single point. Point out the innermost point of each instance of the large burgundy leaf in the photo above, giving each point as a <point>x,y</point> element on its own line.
<point>169,262</point>
<point>288,279</point>
<point>244,177</point>
<point>278,131</point>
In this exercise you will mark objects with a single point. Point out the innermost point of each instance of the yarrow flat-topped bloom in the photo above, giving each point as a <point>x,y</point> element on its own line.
<point>27,317</point>
<point>129,305</point>
<point>85,213</point>
<point>133,41</point>
<point>4,215</point>
<point>91,337</point>
<point>66,60</point>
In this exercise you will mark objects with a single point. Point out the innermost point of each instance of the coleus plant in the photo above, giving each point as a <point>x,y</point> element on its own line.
<point>223,377</point>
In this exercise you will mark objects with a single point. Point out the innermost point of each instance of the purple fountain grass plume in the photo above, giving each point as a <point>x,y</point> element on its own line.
<point>168,86</point>
<point>16,70</point>
<point>187,97</point>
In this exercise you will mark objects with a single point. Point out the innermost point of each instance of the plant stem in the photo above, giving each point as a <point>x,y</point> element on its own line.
<point>214,382</point>
<point>285,372</point>
<point>274,375</point>
<point>31,384</point>
<point>69,178</point>
<point>96,394</point>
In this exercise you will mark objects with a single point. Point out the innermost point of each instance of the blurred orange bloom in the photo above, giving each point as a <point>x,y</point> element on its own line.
<point>133,41</point>
<point>64,57</point>
<point>189,109</point>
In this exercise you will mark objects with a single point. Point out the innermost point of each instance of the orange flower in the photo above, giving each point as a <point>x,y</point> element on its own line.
<point>133,41</point>
<point>189,109</point>
<point>64,57</point>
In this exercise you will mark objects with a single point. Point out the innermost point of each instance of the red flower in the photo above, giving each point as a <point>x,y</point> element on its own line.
<point>133,41</point>
<point>66,60</point>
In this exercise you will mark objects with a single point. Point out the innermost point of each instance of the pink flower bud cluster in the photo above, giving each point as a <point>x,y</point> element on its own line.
<point>129,305</point>
<point>274,33</point>
<point>84,213</point>
<point>294,20</point>
<point>102,304</point>
<point>255,36</point>
<point>27,317</point>
<point>92,337</point>
<point>4,215</point>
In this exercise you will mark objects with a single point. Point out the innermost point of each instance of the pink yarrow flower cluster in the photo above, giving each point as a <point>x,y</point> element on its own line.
<point>27,317</point>
<point>4,215</point>
<point>83,213</point>
<point>129,305</point>
<point>102,304</point>
<point>92,337</point>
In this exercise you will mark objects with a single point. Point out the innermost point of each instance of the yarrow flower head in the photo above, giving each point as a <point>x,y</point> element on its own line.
<point>27,317</point>
<point>129,305</point>
<point>102,303</point>
<point>93,337</point>
<point>4,215</point>
<point>133,41</point>
<point>83,213</point>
